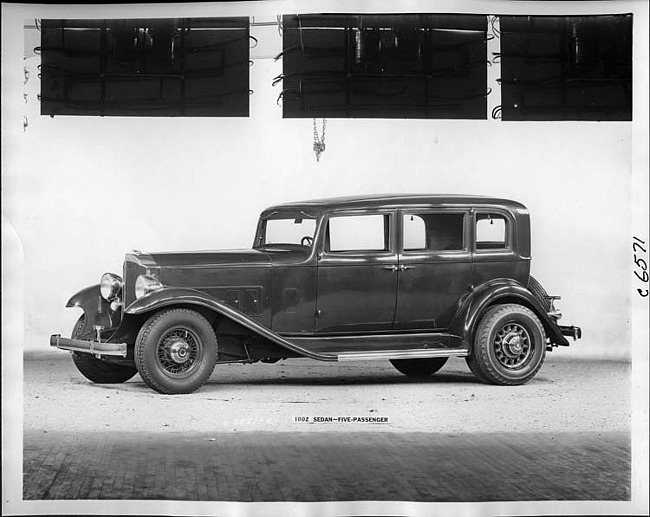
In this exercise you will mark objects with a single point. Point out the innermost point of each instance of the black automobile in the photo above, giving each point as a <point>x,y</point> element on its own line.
<point>412,279</point>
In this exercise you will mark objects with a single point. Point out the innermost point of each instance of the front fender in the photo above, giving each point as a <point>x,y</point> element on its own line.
<point>84,297</point>
<point>97,311</point>
<point>174,296</point>
<point>500,290</point>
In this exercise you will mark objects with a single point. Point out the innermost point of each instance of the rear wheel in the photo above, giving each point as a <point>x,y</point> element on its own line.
<point>95,369</point>
<point>176,351</point>
<point>509,346</point>
<point>419,368</point>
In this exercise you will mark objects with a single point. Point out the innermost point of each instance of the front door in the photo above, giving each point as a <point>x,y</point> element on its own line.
<point>357,273</point>
<point>435,267</point>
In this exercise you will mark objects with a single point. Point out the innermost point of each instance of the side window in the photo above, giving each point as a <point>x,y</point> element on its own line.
<point>414,233</point>
<point>491,232</point>
<point>433,232</point>
<point>357,233</point>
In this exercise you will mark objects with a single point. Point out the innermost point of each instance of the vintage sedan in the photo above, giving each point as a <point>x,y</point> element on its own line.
<point>412,279</point>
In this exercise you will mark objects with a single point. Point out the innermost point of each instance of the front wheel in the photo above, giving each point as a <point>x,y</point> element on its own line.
<point>96,370</point>
<point>509,346</point>
<point>419,368</point>
<point>176,351</point>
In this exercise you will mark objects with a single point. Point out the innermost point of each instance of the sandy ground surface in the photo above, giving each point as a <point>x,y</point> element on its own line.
<point>563,436</point>
<point>565,396</point>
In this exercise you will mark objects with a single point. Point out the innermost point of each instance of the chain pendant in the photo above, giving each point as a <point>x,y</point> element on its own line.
<point>319,141</point>
<point>319,147</point>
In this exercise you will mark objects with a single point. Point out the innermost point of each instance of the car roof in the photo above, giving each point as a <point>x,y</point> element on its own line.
<point>398,200</point>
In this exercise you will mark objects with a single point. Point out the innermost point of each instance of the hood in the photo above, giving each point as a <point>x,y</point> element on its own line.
<point>248,257</point>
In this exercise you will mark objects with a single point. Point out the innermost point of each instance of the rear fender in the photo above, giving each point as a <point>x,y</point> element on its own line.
<point>181,296</point>
<point>96,309</point>
<point>500,290</point>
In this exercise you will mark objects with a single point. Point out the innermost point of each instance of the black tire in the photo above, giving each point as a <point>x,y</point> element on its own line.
<point>176,351</point>
<point>95,369</point>
<point>419,368</point>
<point>509,346</point>
<point>539,292</point>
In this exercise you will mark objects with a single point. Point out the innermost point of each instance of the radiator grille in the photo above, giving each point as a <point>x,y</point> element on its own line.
<point>131,272</point>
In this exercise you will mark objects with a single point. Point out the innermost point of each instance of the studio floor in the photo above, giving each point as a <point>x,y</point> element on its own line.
<point>302,431</point>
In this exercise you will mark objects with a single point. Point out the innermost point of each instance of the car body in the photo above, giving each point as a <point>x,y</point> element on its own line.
<point>413,279</point>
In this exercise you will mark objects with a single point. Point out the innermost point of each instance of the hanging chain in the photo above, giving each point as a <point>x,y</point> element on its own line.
<point>319,141</point>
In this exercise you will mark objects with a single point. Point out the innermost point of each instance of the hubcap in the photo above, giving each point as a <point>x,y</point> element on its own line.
<point>512,346</point>
<point>178,351</point>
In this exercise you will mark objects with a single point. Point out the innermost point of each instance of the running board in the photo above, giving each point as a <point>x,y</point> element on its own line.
<point>377,347</point>
<point>369,343</point>
<point>401,354</point>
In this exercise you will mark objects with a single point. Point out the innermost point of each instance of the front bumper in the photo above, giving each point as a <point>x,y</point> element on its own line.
<point>89,347</point>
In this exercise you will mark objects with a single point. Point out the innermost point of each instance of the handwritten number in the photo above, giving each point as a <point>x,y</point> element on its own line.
<point>641,264</point>
<point>643,278</point>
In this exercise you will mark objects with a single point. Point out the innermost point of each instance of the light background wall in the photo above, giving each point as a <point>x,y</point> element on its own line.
<point>81,191</point>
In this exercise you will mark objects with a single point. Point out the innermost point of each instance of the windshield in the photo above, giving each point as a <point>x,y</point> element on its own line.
<point>288,230</point>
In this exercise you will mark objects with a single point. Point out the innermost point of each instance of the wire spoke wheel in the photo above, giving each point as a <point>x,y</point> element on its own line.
<point>509,345</point>
<point>178,350</point>
<point>513,346</point>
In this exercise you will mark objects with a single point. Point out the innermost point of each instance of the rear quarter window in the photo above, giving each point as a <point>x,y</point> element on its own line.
<point>491,232</point>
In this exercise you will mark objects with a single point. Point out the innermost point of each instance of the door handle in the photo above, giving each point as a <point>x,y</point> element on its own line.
<point>397,268</point>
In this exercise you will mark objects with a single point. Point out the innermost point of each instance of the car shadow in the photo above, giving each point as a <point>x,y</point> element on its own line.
<point>283,379</point>
<point>345,380</point>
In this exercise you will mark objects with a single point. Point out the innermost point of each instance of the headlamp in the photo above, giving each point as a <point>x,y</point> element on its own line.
<point>110,286</point>
<point>146,284</point>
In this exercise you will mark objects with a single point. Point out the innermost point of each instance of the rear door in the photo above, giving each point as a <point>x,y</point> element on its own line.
<point>435,267</point>
<point>495,251</point>
<point>357,272</point>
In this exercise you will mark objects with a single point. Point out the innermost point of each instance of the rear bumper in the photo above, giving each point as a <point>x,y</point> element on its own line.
<point>88,347</point>
<point>573,331</point>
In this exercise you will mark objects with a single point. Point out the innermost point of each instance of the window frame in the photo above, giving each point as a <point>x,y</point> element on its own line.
<point>389,232</point>
<point>466,213</point>
<point>264,235</point>
<point>260,230</point>
<point>509,230</point>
